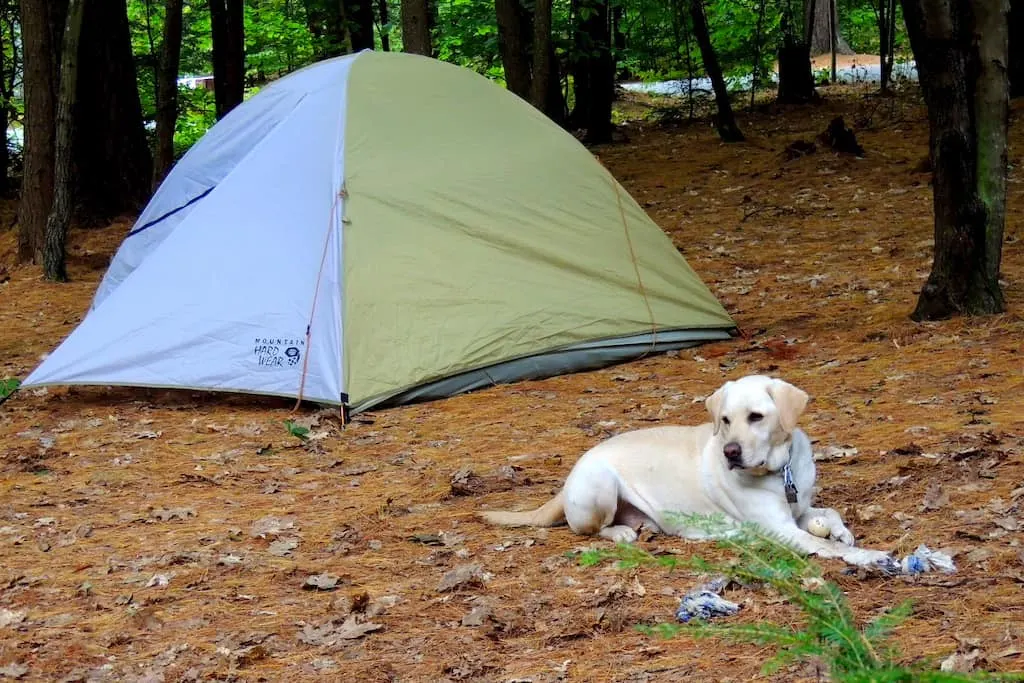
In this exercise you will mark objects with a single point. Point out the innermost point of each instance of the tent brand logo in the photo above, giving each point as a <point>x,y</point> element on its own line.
<point>277,352</point>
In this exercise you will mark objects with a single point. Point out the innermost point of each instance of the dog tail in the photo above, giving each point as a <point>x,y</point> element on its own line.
<point>548,514</point>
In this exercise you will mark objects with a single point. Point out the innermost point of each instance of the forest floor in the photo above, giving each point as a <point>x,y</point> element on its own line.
<point>169,536</point>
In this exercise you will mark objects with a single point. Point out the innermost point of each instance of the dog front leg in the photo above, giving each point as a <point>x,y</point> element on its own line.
<point>823,547</point>
<point>838,530</point>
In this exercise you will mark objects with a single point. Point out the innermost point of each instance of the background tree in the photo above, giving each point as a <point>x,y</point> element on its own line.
<point>384,25</point>
<point>10,70</point>
<point>515,34</point>
<point>545,93</point>
<point>167,90</point>
<point>823,17</point>
<point>41,24</point>
<point>228,32</point>
<point>961,50</point>
<point>361,24</point>
<point>113,162</point>
<point>593,71</point>
<point>54,261</point>
<point>1016,39</point>
<point>416,27</point>
<point>725,121</point>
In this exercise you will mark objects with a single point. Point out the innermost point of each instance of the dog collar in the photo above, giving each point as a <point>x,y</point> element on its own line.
<point>787,477</point>
<point>787,483</point>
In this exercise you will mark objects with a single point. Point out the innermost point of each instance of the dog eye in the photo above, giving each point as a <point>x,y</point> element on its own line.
<point>725,420</point>
<point>756,417</point>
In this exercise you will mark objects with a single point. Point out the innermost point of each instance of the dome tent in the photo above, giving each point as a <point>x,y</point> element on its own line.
<point>380,228</point>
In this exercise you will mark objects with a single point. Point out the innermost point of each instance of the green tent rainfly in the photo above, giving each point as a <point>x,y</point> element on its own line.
<point>381,228</point>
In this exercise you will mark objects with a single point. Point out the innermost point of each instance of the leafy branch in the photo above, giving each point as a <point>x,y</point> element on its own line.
<point>829,631</point>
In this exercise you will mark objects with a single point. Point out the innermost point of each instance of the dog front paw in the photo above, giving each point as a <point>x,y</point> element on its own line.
<point>873,559</point>
<point>842,535</point>
<point>619,533</point>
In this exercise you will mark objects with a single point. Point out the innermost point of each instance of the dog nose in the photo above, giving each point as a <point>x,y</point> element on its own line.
<point>732,451</point>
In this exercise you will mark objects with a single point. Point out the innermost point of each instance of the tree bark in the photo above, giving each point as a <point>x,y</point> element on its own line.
<point>960,48</point>
<point>113,164</point>
<point>227,24</point>
<point>383,17</point>
<point>1016,48</point>
<point>822,20</point>
<point>167,91</point>
<point>796,79</point>
<point>725,121</point>
<point>360,14</point>
<point>545,93</point>
<point>515,28</point>
<point>6,67</point>
<point>416,27</point>
<point>594,73</point>
<point>39,33</point>
<point>54,253</point>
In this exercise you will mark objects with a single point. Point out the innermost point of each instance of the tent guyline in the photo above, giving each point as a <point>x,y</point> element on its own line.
<point>378,229</point>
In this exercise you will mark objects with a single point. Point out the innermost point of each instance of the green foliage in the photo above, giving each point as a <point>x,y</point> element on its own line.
<point>298,431</point>
<point>8,385</point>
<point>658,41</point>
<point>829,632</point>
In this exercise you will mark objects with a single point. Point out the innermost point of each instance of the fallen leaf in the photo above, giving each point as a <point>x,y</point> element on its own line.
<point>934,498</point>
<point>866,514</point>
<point>835,453</point>
<point>283,547</point>
<point>272,526</point>
<point>352,629</point>
<point>960,663</point>
<point>477,616</point>
<point>172,513</point>
<point>158,581</point>
<point>13,670</point>
<point>10,617</point>
<point>330,633</point>
<point>465,575</point>
<point>321,582</point>
<point>229,560</point>
<point>1008,523</point>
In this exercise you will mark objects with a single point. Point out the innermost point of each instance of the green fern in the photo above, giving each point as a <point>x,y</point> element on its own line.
<point>830,631</point>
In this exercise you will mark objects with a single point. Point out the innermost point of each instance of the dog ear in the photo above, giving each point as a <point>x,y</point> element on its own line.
<point>713,403</point>
<point>790,402</point>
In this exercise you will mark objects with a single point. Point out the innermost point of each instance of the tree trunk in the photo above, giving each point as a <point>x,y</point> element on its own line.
<point>382,16</point>
<point>416,27</point>
<point>1016,48</point>
<point>54,255</point>
<point>360,15</point>
<point>113,164</point>
<point>546,93</point>
<point>725,121</point>
<point>227,25</point>
<point>39,33</point>
<point>594,73</point>
<point>821,29</point>
<point>167,91</point>
<point>6,66</point>
<point>796,80</point>
<point>515,29</point>
<point>963,79</point>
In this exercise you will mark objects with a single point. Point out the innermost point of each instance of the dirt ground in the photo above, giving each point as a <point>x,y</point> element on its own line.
<point>168,536</point>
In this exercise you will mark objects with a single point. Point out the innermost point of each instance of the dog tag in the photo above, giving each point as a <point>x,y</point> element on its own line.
<point>787,482</point>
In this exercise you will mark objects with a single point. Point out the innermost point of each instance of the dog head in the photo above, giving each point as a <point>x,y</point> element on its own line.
<point>752,417</point>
